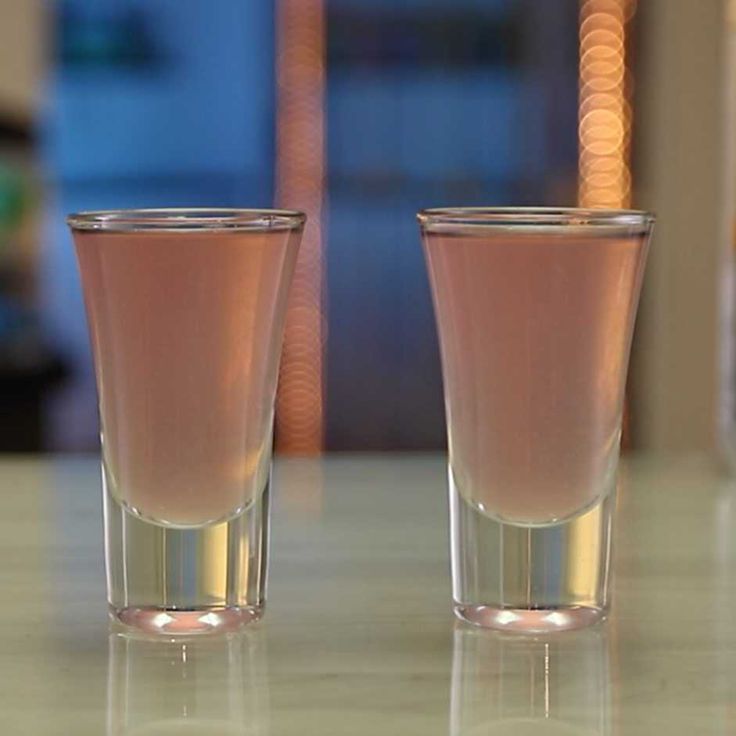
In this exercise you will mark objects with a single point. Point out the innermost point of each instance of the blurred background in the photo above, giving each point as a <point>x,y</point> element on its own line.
<point>361,112</point>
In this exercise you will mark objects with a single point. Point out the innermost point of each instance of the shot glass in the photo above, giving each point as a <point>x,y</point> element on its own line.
<point>535,311</point>
<point>186,311</point>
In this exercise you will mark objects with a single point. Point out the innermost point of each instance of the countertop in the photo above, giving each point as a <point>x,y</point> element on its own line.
<point>358,636</point>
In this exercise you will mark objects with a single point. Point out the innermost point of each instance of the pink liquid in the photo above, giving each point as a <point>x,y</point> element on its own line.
<point>535,331</point>
<point>186,331</point>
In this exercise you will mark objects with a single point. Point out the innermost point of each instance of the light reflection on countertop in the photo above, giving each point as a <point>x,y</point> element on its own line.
<point>211,686</point>
<point>358,636</point>
<point>556,685</point>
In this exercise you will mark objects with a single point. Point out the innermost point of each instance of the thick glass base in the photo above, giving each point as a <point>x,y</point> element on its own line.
<point>526,621</point>
<point>529,579</point>
<point>176,623</point>
<point>186,581</point>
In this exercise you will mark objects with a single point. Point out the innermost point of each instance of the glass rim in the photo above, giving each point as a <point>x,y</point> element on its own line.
<point>444,218</point>
<point>186,219</point>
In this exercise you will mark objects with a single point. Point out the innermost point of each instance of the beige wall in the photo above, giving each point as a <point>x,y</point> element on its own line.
<point>22,53</point>
<point>682,168</point>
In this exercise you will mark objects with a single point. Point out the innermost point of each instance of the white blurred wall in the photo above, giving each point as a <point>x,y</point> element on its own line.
<point>23,46</point>
<point>683,172</point>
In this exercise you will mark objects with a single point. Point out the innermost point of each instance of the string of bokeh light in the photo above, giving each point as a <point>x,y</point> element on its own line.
<point>300,174</point>
<point>605,109</point>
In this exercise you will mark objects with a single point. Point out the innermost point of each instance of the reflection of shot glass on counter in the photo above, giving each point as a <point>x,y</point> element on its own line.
<point>535,312</point>
<point>186,312</point>
<point>514,686</point>
<point>211,686</point>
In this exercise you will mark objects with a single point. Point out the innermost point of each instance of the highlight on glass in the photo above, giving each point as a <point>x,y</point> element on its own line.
<point>535,311</point>
<point>186,314</point>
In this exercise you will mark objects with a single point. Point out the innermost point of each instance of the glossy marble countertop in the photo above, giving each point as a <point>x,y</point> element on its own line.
<point>358,636</point>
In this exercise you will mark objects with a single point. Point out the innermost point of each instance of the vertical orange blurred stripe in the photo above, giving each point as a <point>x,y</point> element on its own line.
<point>605,110</point>
<point>604,113</point>
<point>300,184</point>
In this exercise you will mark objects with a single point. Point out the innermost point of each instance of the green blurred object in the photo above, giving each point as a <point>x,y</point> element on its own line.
<point>29,369</point>
<point>13,198</point>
